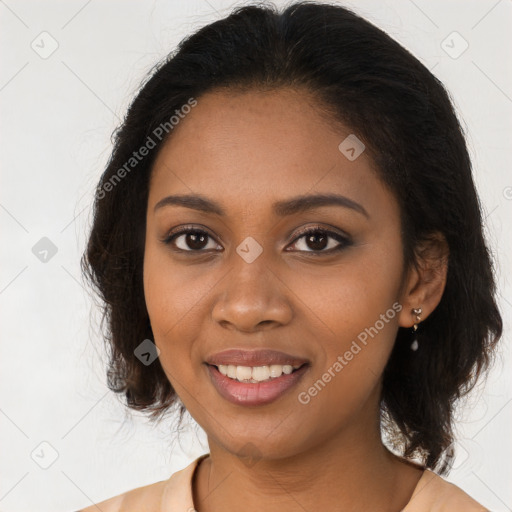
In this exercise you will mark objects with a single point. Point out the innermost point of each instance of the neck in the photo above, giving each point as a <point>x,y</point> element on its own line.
<point>353,470</point>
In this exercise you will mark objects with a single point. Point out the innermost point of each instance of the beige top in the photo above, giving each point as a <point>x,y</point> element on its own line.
<point>431,494</point>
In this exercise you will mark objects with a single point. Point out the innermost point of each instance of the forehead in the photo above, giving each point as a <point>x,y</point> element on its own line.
<point>260,144</point>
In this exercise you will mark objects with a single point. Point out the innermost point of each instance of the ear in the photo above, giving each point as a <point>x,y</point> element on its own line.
<point>425,281</point>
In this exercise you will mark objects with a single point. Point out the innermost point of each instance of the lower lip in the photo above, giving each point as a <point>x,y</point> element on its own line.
<point>260,393</point>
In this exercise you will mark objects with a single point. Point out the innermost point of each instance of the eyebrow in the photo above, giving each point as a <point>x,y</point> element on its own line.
<point>284,208</point>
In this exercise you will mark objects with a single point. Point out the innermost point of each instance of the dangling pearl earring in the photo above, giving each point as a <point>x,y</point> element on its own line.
<point>415,344</point>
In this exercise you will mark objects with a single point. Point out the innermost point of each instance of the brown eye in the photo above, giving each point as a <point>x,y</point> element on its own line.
<point>318,240</point>
<point>190,240</point>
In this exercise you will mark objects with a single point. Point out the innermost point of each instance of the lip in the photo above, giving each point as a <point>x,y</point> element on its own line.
<point>254,394</point>
<point>260,357</point>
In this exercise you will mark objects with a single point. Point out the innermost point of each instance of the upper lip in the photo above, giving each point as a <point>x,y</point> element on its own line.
<point>262,357</point>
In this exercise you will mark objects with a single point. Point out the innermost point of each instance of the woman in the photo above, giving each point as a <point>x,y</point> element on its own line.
<point>288,243</point>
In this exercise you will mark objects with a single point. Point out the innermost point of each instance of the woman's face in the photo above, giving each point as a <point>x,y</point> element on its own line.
<point>251,280</point>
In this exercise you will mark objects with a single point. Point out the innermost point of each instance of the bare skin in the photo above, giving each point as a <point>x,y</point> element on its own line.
<point>246,151</point>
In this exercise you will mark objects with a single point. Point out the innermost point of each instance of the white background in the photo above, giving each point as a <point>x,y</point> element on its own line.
<point>57,115</point>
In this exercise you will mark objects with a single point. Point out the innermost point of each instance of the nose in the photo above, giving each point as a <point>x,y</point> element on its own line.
<point>252,298</point>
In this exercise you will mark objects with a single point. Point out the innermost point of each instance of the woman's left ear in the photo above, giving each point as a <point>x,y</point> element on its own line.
<point>426,280</point>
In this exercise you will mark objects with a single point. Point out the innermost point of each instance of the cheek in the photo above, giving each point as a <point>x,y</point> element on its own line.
<point>357,311</point>
<point>347,376</point>
<point>176,299</point>
<point>163,294</point>
<point>170,290</point>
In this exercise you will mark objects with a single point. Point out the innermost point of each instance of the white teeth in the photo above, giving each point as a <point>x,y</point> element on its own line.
<point>260,373</point>
<point>276,370</point>
<point>256,373</point>
<point>287,369</point>
<point>243,372</point>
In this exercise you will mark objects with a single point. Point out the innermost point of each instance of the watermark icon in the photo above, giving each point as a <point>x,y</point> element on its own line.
<point>466,456</point>
<point>249,249</point>
<point>146,352</point>
<point>351,147</point>
<point>158,133</point>
<point>304,397</point>
<point>45,45</point>
<point>250,454</point>
<point>44,250</point>
<point>507,193</point>
<point>454,45</point>
<point>44,455</point>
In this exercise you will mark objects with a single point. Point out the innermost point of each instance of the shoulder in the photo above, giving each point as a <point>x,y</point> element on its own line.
<point>435,494</point>
<point>145,498</point>
<point>175,493</point>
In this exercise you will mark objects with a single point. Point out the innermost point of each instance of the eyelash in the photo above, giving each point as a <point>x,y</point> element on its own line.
<point>343,240</point>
